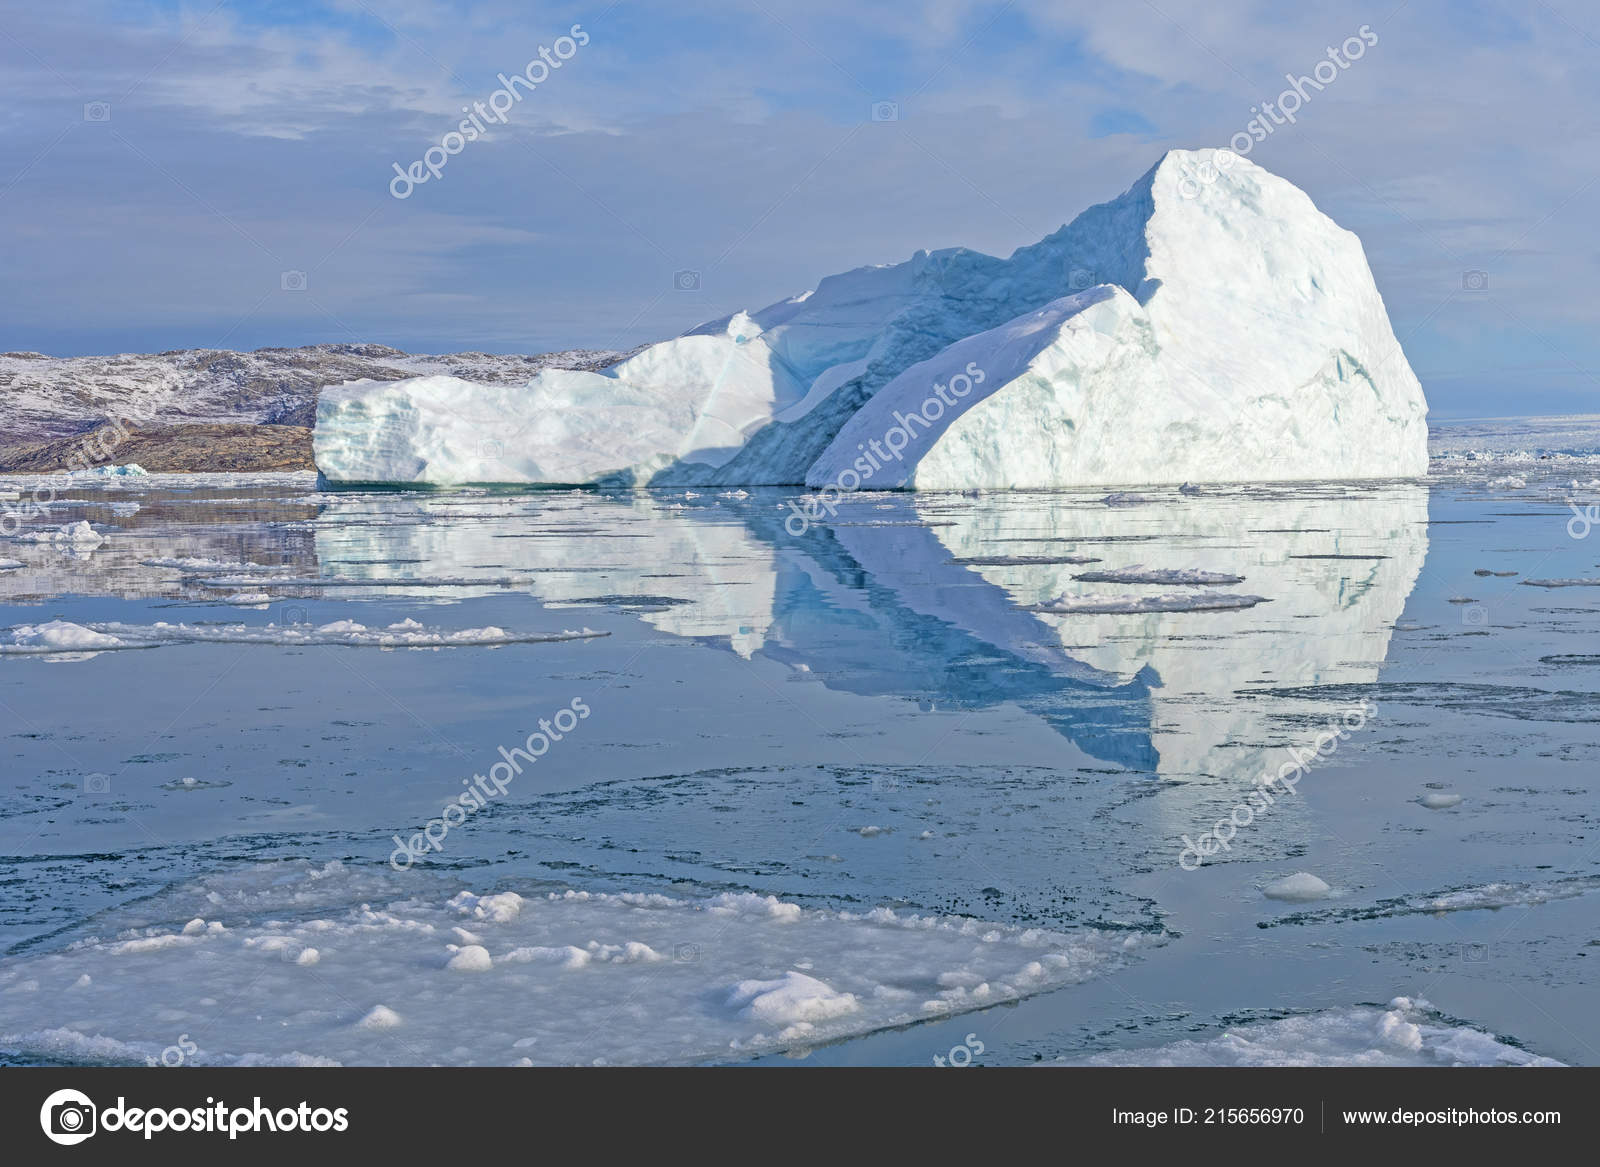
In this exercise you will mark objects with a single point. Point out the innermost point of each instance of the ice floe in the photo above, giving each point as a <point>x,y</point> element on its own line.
<point>1481,897</point>
<point>597,978</point>
<point>79,534</point>
<point>201,563</point>
<point>1168,602</point>
<point>1139,574</point>
<point>64,636</point>
<point>1406,1032</point>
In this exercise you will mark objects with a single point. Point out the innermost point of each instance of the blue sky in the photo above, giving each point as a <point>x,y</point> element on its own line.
<point>737,139</point>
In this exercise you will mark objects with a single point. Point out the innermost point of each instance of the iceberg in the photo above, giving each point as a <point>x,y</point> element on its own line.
<point>1180,333</point>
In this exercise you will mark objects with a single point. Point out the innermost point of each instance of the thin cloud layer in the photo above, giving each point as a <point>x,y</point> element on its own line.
<point>171,168</point>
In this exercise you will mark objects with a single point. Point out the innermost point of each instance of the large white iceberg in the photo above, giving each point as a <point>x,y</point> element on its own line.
<point>1235,335</point>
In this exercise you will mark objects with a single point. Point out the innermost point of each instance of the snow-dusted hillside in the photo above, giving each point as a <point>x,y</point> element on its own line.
<point>1236,335</point>
<point>45,397</point>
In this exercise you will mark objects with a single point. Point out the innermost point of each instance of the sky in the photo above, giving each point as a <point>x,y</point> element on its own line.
<point>218,175</point>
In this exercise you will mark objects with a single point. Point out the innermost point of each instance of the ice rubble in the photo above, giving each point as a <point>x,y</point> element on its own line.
<point>411,973</point>
<point>1233,336</point>
<point>1407,1032</point>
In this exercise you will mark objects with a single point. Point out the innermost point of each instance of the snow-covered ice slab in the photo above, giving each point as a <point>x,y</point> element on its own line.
<point>1130,605</point>
<point>1478,898</point>
<point>79,534</point>
<point>1408,1032</point>
<point>1139,574</point>
<point>1233,336</point>
<point>200,564</point>
<point>287,963</point>
<point>63,636</point>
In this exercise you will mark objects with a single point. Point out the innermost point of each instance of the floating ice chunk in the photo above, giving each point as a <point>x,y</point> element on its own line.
<point>194,563</point>
<point>1022,560</point>
<point>1437,801</point>
<point>1174,602</point>
<point>11,564</point>
<point>1508,895</point>
<point>1489,896</point>
<point>1406,1032</point>
<point>1299,888</point>
<point>56,636</point>
<point>79,534</point>
<point>1139,574</point>
<point>188,785</point>
<point>308,956</point>
<point>1561,583</point>
<point>60,636</point>
<point>129,470</point>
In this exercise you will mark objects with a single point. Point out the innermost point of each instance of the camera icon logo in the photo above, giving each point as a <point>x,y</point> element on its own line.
<point>68,1117</point>
<point>97,783</point>
<point>1475,616</point>
<point>491,450</point>
<point>294,614</point>
<point>686,281</point>
<point>292,281</point>
<point>886,111</point>
<point>97,111</point>
<point>1080,278</point>
<point>686,953</point>
<point>1474,281</point>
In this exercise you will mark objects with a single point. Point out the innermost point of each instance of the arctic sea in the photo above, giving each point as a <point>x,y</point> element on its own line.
<point>946,778</point>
